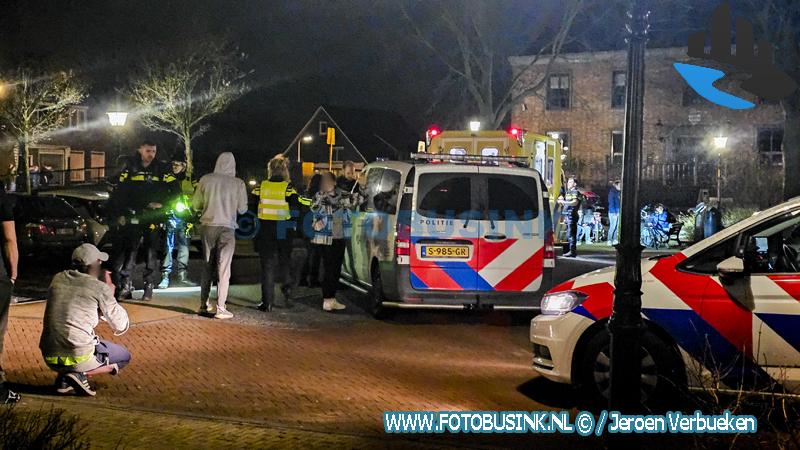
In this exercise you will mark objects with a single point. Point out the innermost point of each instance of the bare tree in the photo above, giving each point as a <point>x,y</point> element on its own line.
<point>474,39</point>
<point>179,97</point>
<point>779,21</point>
<point>33,107</point>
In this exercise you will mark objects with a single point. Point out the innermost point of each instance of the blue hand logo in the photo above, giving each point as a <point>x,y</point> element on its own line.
<point>702,79</point>
<point>766,81</point>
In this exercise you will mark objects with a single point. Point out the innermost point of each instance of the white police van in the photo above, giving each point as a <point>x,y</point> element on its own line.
<point>451,235</point>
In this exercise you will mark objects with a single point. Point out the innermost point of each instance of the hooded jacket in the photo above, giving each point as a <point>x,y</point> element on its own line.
<point>220,195</point>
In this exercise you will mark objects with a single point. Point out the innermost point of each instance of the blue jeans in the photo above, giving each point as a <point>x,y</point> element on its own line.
<point>176,238</point>
<point>613,228</point>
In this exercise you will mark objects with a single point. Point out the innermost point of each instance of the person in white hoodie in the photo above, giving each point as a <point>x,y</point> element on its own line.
<point>219,197</point>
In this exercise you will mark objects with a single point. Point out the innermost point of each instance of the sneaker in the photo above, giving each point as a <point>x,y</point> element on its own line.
<point>7,396</point>
<point>80,382</point>
<point>223,314</point>
<point>148,292</point>
<point>570,255</point>
<point>327,304</point>
<point>164,282</point>
<point>63,387</point>
<point>338,306</point>
<point>264,306</point>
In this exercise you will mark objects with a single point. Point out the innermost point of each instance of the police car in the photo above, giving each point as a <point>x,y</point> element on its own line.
<point>722,314</point>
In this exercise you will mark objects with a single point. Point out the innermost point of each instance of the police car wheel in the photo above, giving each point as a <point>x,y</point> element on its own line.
<point>376,299</point>
<point>661,379</point>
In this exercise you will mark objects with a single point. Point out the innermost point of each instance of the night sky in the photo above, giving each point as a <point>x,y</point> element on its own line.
<point>353,53</point>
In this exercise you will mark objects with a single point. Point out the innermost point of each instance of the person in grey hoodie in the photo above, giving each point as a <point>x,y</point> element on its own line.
<point>218,198</point>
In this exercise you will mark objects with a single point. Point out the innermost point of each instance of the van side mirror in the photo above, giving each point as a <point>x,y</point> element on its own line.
<point>731,267</point>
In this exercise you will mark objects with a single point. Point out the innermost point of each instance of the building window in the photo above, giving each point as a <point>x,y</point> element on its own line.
<point>690,97</point>
<point>323,129</point>
<point>77,119</point>
<point>618,89</point>
<point>563,135</point>
<point>770,145</point>
<point>616,147</point>
<point>558,91</point>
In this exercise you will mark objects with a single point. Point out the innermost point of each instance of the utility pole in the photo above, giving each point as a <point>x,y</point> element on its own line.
<point>625,325</point>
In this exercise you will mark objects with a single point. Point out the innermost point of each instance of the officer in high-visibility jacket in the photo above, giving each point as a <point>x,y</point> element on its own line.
<point>136,210</point>
<point>279,207</point>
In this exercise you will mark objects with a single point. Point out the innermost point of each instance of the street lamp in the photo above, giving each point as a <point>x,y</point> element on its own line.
<point>720,142</point>
<point>625,325</point>
<point>306,139</point>
<point>117,119</point>
<point>474,126</point>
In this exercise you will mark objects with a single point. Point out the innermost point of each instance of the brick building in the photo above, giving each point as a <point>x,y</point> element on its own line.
<point>584,102</point>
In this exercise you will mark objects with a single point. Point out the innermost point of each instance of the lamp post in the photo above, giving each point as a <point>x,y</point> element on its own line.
<point>306,139</point>
<point>117,120</point>
<point>720,142</point>
<point>626,324</point>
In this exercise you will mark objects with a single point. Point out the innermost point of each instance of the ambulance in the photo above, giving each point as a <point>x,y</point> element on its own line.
<point>723,314</point>
<point>449,230</point>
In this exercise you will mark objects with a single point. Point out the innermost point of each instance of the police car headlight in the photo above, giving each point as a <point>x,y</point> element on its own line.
<point>560,303</point>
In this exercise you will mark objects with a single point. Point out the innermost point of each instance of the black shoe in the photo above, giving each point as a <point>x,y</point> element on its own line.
<point>287,296</point>
<point>63,387</point>
<point>265,306</point>
<point>80,382</point>
<point>124,291</point>
<point>7,396</point>
<point>570,255</point>
<point>148,292</point>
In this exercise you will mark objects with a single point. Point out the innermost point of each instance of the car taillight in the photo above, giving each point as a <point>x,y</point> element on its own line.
<point>402,242</point>
<point>549,248</point>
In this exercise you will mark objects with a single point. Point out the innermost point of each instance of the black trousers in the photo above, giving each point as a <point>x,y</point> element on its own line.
<point>311,266</point>
<point>5,302</point>
<point>128,240</point>
<point>571,222</point>
<point>276,266</point>
<point>332,259</point>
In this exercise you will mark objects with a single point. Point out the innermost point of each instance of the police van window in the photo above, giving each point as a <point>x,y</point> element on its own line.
<point>385,200</point>
<point>444,195</point>
<point>373,185</point>
<point>512,197</point>
<point>706,261</point>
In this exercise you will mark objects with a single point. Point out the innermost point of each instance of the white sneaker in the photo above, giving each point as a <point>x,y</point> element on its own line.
<point>327,304</point>
<point>223,314</point>
<point>337,305</point>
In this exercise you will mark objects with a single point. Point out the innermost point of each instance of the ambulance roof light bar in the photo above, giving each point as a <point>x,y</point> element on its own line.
<point>479,159</point>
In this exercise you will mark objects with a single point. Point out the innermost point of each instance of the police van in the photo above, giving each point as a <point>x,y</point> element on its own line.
<point>451,232</point>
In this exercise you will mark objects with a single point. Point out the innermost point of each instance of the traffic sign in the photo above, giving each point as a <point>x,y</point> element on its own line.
<point>331,139</point>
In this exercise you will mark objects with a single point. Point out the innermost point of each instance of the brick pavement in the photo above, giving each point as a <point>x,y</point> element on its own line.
<point>205,383</point>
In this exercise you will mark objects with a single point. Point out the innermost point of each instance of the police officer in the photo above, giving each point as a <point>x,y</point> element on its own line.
<point>570,201</point>
<point>277,200</point>
<point>137,211</point>
<point>178,226</point>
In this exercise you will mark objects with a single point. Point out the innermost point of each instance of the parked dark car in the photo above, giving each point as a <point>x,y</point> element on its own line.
<point>46,224</point>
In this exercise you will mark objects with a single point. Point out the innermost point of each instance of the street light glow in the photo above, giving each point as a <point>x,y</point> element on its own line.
<point>117,118</point>
<point>720,142</point>
<point>474,126</point>
<point>308,138</point>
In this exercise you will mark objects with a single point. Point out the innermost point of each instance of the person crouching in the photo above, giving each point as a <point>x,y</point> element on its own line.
<point>69,344</point>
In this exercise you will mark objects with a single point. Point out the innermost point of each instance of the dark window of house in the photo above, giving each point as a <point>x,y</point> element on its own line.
<point>616,147</point>
<point>690,97</point>
<point>323,128</point>
<point>618,89</point>
<point>558,91</point>
<point>770,145</point>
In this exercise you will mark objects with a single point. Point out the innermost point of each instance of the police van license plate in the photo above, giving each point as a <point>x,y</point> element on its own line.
<point>63,231</point>
<point>445,251</point>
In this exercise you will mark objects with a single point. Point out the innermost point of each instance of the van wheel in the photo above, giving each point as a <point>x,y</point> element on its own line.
<point>662,372</point>
<point>376,307</point>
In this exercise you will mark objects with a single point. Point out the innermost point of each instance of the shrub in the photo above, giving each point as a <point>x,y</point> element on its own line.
<point>733,215</point>
<point>45,429</point>
<point>687,231</point>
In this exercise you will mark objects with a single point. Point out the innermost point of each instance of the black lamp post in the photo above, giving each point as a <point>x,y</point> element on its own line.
<point>626,324</point>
